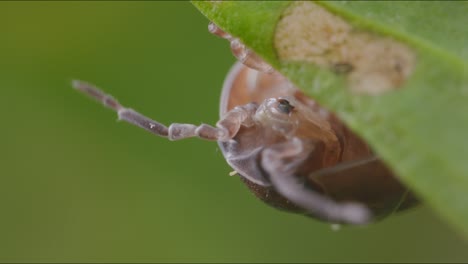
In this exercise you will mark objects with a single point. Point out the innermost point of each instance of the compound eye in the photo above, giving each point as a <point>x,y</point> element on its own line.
<point>284,106</point>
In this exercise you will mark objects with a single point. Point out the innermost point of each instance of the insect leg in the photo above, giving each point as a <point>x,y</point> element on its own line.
<point>226,128</point>
<point>126,114</point>
<point>281,161</point>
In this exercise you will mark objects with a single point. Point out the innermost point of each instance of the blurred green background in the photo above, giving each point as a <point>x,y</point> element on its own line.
<point>75,185</point>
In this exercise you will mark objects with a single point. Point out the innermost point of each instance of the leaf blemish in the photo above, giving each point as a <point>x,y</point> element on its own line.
<point>371,63</point>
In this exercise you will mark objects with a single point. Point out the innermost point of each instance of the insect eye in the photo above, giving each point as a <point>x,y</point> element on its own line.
<point>284,106</point>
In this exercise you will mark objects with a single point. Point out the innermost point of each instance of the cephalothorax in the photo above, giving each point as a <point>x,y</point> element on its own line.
<point>290,152</point>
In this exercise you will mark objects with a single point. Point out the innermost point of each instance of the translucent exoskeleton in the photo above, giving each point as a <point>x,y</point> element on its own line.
<point>291,152</point>
<point>300,141</point>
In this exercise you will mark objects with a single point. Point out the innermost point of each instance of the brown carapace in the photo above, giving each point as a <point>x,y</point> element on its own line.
<point>309,145</point>
<point>291,152</point>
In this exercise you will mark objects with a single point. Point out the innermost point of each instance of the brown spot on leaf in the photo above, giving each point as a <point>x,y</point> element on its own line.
<point>371,63</point>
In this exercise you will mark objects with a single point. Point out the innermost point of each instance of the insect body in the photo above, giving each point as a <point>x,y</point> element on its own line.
<point>292,153</point>
<point>310,162</point>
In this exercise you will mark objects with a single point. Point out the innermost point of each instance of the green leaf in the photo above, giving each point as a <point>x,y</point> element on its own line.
<point>419,127</point>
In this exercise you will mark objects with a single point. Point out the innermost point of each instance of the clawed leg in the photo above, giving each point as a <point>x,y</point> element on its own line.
<point>281,161</point>
<point>226,128</point>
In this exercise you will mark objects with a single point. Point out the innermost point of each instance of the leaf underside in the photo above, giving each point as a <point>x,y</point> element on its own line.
<point>418,129</point>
